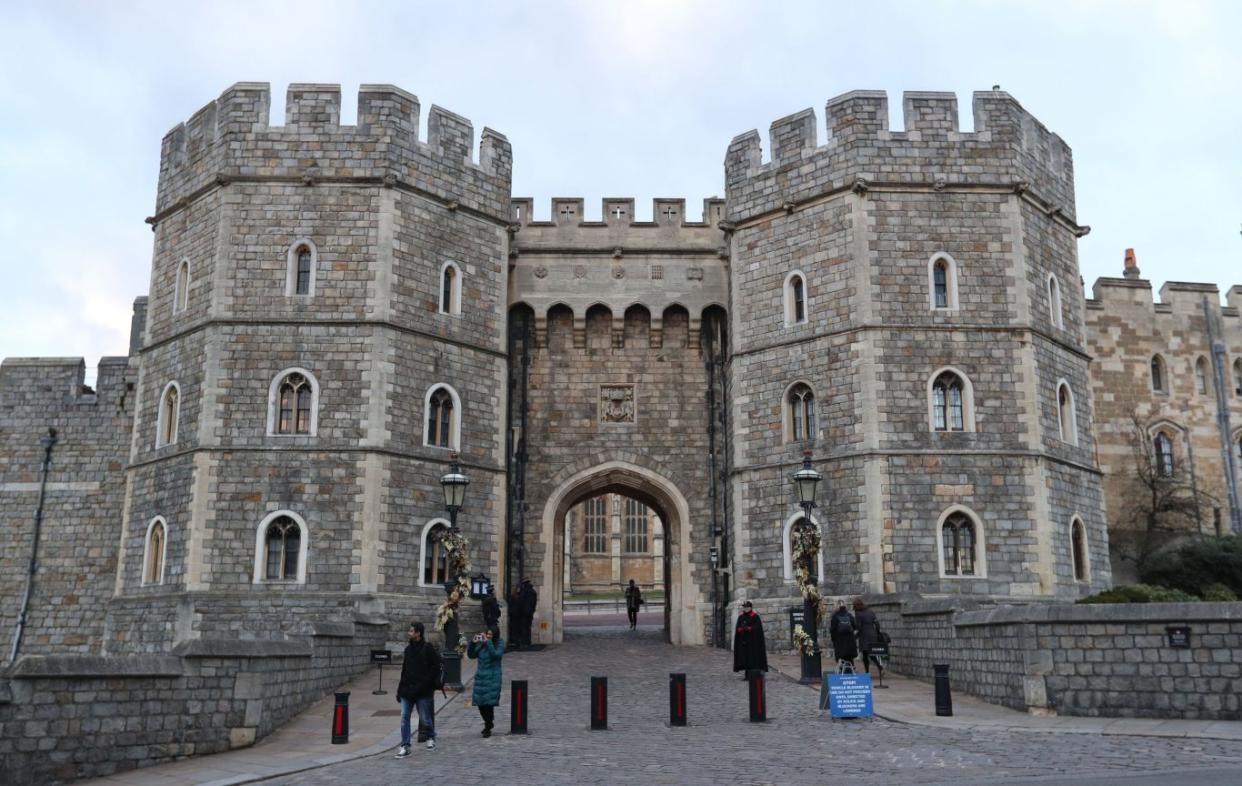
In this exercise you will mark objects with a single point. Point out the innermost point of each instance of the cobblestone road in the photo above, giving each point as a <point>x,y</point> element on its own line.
<point>795,746</point>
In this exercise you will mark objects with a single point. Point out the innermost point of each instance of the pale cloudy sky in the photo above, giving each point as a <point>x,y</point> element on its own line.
<point>600,99</point>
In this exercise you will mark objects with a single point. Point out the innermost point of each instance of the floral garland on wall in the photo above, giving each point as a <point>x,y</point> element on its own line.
<point>805,548</point>
<point>456,547</point>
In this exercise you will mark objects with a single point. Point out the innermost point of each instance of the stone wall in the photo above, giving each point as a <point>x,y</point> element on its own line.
<point>68,717</point>
<point>1125,330</point>
<point>1111,660</point>
<point>75,565</point>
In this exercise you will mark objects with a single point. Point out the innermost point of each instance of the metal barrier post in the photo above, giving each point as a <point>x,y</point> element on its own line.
<point>599,703</point>
<point>518,714</point>
<point>340,719</point>
<point>677,699</point>
<point>944,696</point>
<point>758,699</point>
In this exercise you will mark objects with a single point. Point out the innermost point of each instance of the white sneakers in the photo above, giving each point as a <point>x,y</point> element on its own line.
<point>431,744</point>
<point>402,752</point>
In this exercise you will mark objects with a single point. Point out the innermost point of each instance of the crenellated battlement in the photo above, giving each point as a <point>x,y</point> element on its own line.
<point>666,213</point>
<point>51,383</point>
<point>1008,147</point>
<point>1174,297</point>
<point>232,138</point>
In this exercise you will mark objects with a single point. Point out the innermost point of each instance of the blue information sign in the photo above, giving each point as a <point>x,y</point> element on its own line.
<point>846,695</point>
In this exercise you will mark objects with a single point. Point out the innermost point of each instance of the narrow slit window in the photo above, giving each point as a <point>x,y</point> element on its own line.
<point>303,282</point>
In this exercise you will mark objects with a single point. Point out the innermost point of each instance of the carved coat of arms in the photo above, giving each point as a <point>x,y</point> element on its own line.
<point>616,404</point>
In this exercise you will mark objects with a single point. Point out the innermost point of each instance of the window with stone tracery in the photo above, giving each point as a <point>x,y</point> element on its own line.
<point>635,541</point>
<point>283,548</point>
<point>295,398</point>
<point>958,545</point>
<point>799,413</point>
<point>595,526</point>
<point>435,557</point>
<point>948,404</point>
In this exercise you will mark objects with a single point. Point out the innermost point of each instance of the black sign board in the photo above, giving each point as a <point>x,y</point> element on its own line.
<point>1179,637</point>
<point>381,656</point>
<point>797,616</point>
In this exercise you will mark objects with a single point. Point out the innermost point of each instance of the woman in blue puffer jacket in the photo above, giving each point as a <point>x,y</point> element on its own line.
<point>488,649</point>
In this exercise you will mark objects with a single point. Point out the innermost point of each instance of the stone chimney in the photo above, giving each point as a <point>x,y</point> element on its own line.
<point>1132,270</point>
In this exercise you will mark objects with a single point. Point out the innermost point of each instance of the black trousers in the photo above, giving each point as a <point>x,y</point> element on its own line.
<point>633,615</point>
<point>489,715</point>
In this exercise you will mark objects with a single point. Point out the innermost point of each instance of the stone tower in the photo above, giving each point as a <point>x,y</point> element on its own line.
<point>315,250</point>
<point>927,259</point>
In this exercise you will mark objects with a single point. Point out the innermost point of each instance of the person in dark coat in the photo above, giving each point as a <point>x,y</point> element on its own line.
<point>842,631</point>
<point>488,648</point>
<point>420,676</point>
<point>633,599</point>
<point>490,608</point>
<point>868,633</point>
<point>529,599</point>
<point>750,651</point>
<point>515,617</point>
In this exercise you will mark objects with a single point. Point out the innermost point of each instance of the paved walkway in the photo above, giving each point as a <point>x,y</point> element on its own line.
<point>303,743</point>
<point>798,745</point>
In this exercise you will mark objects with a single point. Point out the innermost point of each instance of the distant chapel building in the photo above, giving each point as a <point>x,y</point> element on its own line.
<point>336,310</point>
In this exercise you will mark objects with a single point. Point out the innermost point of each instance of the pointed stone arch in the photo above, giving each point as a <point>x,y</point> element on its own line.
<point>684,612</point>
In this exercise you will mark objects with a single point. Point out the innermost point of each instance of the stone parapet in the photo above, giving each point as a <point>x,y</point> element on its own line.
<point>1009,148</point>
<point>231,139</point>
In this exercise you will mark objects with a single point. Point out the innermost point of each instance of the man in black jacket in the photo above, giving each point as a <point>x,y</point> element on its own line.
<point>420,676</point>
<point>750,651</point>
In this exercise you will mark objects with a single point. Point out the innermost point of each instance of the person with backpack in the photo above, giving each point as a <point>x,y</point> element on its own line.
<point>421,674</point>
<point>633,599</point>
<point>488,648</point>
<point>842,630</point>
<point>869,634</point>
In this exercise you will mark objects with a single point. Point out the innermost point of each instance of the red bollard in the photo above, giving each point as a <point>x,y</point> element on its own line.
<point>340,719</point>
<point>677,699</point>
<point>599,703</point>
<point>758,700</point>
<point>517,714</point>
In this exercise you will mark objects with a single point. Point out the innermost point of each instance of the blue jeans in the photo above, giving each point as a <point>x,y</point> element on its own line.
<point>426,718</point>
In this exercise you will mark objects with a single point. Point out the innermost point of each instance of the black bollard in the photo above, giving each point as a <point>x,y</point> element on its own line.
<point>677,699</point>
<point>944,697</point>
<point>517,714</point>
<point>758,699</point>
<point>340,719</point>
<point>599,703</point>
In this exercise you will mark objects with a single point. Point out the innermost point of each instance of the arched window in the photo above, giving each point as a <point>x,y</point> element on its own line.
<point>1054,302</point>
<point>443,409</point>
<point>450,288</point>
<point>1163,448</point>
<point>295,403</point>
<point>951,404</point>
<point>1237,377</point>
<point>435,558</point>
<point>181,291</point>
<point>281,547</point>
<point>960,545</point>
<point>799,413</point>
<point>595,529</point>
<point>1067,417</point>
<point>1078,549</point>
<point>1159,375</point>
<point>635,527</point>
<point>155,547</point>
<point>795,298</point>
<point>169,414</point>
<point>1201,377</point>
<point>942,282</point>
<point>795,522</point>
<point>303,260</point>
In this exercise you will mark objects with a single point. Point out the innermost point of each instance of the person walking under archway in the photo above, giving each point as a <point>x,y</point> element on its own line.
<point>633,599</point>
